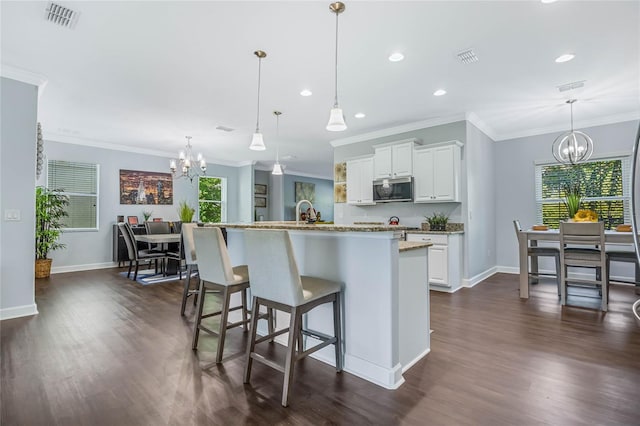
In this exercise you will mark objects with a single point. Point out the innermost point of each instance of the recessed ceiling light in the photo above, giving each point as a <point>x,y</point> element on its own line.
<point>439,92</point>
<point>360,115</point>
<point>306,92</point>
<point>396,57</point>
<point>565,58</point>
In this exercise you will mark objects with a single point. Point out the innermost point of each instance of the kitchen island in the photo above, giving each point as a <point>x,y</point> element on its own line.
<point>386,296</point>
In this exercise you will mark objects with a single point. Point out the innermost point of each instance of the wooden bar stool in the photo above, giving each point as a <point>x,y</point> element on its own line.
<point>276,284</point>
<point>216,273</point>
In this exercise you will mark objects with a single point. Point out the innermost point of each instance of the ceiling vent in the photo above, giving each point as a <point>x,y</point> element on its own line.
<point>60,15</point>
<point>467,56</point>
<point>225,129</point>
<point>570,86</point>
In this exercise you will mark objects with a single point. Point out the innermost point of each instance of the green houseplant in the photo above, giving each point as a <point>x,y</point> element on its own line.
<point>572,198</point>
<point>185,212</point>
<point>51,208</point>
<point>437,221</point>
<point>147,214</point>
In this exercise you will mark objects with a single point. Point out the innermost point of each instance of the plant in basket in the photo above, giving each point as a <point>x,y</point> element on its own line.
<point>51,208</point>
<point>437,221</point>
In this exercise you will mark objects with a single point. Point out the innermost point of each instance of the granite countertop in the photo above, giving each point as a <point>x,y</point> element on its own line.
<point>419,231</point>
<point>291,225</point>
<point>408,245</point>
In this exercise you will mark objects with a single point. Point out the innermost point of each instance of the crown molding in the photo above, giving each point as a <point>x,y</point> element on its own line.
<point>473,118</point>
<point>602,121</point>
<point>398,129</point>
<point>25,76</point>
<point>304,174</point>
<point>56,137</point>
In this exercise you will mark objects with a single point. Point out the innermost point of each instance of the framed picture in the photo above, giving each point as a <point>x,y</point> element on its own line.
<point>260,189</point>
<point>260,201</point>
<point>137,187</point>
<point>305,191</point>
<point>132,220</point>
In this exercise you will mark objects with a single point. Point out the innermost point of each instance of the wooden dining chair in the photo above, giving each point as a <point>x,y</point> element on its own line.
<point>582,245</point>
<point>536,252</point>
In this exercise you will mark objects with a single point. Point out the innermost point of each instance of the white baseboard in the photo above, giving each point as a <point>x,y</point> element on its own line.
<point>416,359</point>
<point>86,267</point>
<point>514,270</point>
<point>473,281</point>
<point>18,311</point>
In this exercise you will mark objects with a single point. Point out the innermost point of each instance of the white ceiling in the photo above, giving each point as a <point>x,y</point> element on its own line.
<point>144,74</point>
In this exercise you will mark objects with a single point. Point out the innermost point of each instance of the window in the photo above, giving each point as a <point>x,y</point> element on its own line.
<point>212,197</point>
<point>79,181</point>
<point>604,185</point>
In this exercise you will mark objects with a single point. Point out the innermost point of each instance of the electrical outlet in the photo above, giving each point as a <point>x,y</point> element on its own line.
<point>12,215</point>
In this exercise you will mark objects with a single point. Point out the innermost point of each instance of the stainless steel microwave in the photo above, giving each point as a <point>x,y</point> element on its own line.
<point>392,190</point>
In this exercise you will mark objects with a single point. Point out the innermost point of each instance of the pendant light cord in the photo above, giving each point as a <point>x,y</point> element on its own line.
<point>335,105</point>
<point>258,109</point>
<point>571,105</point>
<point>277,138</point>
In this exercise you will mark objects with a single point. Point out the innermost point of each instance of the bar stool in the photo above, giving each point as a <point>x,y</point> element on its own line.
<point>624,256</point>
<point>190,260</point>
<point>535,252</point>
<point>216,273</point>
<point>277,284</point>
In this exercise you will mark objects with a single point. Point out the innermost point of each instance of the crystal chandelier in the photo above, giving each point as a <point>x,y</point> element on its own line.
<point>336,118</point>
<point>186,166</point>
<point>572,147</point>
<point>277,168</point>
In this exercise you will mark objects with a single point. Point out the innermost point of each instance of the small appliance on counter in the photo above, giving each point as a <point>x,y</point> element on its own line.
<point>390,190</point>
<point>394,220</point>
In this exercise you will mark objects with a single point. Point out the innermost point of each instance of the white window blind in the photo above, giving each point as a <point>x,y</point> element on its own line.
<point>605,186</point>
<point>79,181</point>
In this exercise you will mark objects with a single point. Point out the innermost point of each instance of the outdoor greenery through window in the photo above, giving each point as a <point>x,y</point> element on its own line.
<point>212,199</point>
<point>604,186</point>
<point>78,181</point>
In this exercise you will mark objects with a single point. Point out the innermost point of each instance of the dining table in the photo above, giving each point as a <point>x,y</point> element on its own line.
<point>532,237</point>
<point>164,240</point>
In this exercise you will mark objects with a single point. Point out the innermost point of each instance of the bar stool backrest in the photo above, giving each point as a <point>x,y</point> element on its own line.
<point>189,245</point>
<point>272,266</point>
<point>214,264</point>
<point>582,233</point>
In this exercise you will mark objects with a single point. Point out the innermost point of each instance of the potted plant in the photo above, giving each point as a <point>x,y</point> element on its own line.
<point>147,214</point>
<point>437,221</point>
<point>572,198</point>
<point>51,208</point>
<point>185,212</point>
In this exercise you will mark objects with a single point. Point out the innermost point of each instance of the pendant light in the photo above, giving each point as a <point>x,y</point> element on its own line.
<point>572,147</point>
<point>336,118</point>
<point>257,143</point>
<point>277,168</point>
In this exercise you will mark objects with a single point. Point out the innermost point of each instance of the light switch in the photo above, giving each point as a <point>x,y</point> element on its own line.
<point>12,215</point>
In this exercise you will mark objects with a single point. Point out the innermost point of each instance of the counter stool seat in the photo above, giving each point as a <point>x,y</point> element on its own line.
<point>624,256</point>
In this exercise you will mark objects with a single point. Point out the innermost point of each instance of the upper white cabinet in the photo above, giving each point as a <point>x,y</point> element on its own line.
<point>360,181</point>
<point>436,171</point>
<point>394,160</point>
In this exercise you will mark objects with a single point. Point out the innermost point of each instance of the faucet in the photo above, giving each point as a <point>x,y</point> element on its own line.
<point>312,214</point>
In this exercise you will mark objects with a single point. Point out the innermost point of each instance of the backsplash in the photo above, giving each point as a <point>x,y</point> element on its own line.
<point>451,227</point>
<point>410,214</point>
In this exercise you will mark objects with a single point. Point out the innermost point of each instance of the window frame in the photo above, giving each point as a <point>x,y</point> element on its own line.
<point>625,160</point>
<point>80,194</point>
<point>223,197</point>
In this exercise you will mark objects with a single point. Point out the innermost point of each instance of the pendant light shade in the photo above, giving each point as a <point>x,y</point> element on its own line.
<point>257,143</point>
<point>277,168</point>
<point>336,118</point>
<point>574,146</point>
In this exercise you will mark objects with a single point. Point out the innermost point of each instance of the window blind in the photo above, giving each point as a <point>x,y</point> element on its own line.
<point>79,181</point>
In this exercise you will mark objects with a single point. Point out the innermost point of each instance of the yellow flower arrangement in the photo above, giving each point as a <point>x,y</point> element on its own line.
<point>585,216</point>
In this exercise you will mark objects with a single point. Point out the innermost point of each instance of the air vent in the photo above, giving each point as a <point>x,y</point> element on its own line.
<point>225,129</point>
<point>467,56</point>
<point>570,86</point>
<point>60,15</point>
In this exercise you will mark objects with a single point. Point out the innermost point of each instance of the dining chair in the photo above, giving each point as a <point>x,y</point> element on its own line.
<point>582,245</point>
<point>216,273</point>
<point>627,257</point>
<point>277,284</point>
<point>135,255</point>
<point>537,252</point>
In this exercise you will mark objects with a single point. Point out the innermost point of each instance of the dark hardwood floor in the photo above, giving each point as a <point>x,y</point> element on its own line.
<point>107,351</point>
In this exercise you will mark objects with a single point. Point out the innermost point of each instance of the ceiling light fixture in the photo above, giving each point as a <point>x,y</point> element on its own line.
<point>187,164</point>
<point>277,168</point>
<point>306,92</point>
<point>548,1</point>
<point>572,147</point>
<point>565,58</point>
<point>396,57</point>
<point>439,92</point>
<point>336,118</point>
<point>257,143</point>
<point>360,115</point>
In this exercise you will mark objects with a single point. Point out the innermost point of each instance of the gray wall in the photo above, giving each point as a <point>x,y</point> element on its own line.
<point>18,116</point>
<point>89,249</point>
<point>323,198</point>
<point>262,177</point>
<point>515,185</point>
<point>245,195</point>
<point>276,197</point>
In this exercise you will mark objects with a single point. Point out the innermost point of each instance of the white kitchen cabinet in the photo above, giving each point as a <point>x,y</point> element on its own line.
<point>360,181</point>
<point>437,173</point>
<point>445,259</point>
<point>394,160</point>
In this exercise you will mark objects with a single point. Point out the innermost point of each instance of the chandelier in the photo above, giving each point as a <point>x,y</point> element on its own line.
<point>186,166</point>
<point>336,118</point>
<point>573,146</point>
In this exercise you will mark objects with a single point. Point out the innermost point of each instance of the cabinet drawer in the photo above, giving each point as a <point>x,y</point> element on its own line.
<point>439,239</point>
